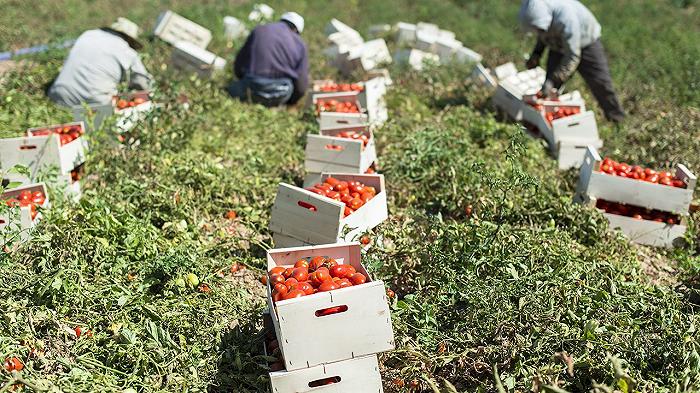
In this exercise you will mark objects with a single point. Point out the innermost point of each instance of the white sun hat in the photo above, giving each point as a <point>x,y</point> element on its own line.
<point>129,29</point>
<point>295,19</point>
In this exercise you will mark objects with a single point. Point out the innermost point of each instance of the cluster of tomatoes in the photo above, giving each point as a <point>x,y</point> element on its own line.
<point>356,135</point>
<point>13,364</point>
<point>66,133</point>
<point>123,103</point>
<point>332,87</point>
<point>337,106</point>
<point>307,277</point>
<point>28,198</point>
<point>353,194</point>
<point>638,213</point>
<point>636,172</point>
<point>558,113</point>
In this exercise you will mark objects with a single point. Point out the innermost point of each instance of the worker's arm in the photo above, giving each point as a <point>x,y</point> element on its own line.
<point>242,63</point>
<point>536,55</point>
<point>139,78</point>
<point>571,42</point>
<point>301,83</point>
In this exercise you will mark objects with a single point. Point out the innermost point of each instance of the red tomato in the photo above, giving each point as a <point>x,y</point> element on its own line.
<point>316,262</point>
<point>344,283</point>
<point>276,278</point>
<point>277,270</point>
<point>293,294</point>
<point>338,271</point>
<point>342,185</point>
<point>321,274</point>
<point>348,211</point>
<point>358,279</point>
<point>291,283</point>
<point>121,104</point>
<point>356,204</point>
<point>288,272</point>
<point>328,285</point>
<point>300,274</point>
<point>281,288</point>
<point>302,263</point>
<point>366,196</point>
<point>306,287</point>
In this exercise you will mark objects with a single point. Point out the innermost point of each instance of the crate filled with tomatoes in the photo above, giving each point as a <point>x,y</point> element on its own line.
<point>22,211</point>
<point>130,108</point>
<point>513,86</point>
<point>339,208</point>
<point>648,205</point>
<point>61,148</point>
<point>346,149</point>
<point>352,375</point>
<point>370,94</point>
<point>565,124</point>
<point>339,109</point>
<point>326,289</point>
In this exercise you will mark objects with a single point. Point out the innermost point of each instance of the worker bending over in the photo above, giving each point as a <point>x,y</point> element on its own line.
<point>572,34</point>
<point>99,61</point>
<point>273,65</point>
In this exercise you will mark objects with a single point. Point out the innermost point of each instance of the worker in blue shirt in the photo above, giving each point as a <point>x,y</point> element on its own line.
<point>273,65</point>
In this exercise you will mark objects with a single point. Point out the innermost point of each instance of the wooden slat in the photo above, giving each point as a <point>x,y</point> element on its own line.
<point>356,375</point>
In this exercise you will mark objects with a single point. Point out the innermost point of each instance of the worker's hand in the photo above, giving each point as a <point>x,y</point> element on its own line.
<point>548,90</point>
<point>532,62</point>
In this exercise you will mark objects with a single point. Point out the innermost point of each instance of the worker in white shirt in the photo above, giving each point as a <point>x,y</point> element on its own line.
<point>99,61</point>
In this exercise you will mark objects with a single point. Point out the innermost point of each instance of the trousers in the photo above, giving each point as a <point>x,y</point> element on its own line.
<point>595,71</point>
<point>270,92</point>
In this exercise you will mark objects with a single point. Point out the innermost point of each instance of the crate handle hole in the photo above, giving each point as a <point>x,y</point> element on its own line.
<point>324,382</point>
<point>331,310</point>
<point>2,221</point>
<point>574,124</point>
<point>27,147</point>
<point>334,147</point>
<point>342,122</point>
<point>307,205</point>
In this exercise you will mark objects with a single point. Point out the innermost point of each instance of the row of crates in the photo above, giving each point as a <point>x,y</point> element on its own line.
<point>307,225</point>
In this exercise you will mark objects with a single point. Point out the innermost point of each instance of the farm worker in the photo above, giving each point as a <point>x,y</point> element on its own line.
<point>572,34</point>
<point>97,63</point>
<point>273,65</point>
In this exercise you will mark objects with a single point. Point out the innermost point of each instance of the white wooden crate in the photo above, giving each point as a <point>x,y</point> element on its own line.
<point>42,152</point>
<point>415,58</point>
<point>192,58</point>
<point>372,99</point>
<point>571,154</point>
<point>360,374</point>
<point>327,152</point>
<point>234,28</point>
<point>368,56</point>
<point>365,326</point>
<point>465,55</point>
<point>505,70</point>
<point>173,28</point>
<point>446,48</point>
<point>535,117</point>
<point>428,27</point>
<point>512,88</point>
<point>483,76</point>
<point>508,98</point>
<point>427,41</point>
<point>646,232</point>
<point>292,216</point>
<point>593,183</point>
<point>405,33</point>
<point>18,222</point>
<point>338,119</point>
<point>575,129</point>
<point>336,26</point>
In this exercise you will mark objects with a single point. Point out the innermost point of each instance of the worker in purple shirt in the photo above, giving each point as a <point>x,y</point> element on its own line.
<point>273,65</point>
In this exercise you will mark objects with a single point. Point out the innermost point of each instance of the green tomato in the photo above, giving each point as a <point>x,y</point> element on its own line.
<point>192,280</point>
<point>180,282</point>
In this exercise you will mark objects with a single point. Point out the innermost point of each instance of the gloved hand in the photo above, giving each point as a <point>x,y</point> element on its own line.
<point>548,90</point>
<point>532,62</point>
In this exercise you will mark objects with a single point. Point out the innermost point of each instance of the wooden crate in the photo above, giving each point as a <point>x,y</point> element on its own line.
<point>368,56</point>
<point>571,154</point>
<point>575,129</point>
<point>503,71</point>
<point>42,152</point>
<point>173,28</point>
<point>191,58</point>
<point>465,55</point>
<point>292,217</point>
<point>595,184</point>
<point>338,119</point>
<point>367,314</point>
<point>360,374</point>
<point>405,33</point>
<point>536,117</point>
<point>415,58</point>
<point>17,222</point>
<point>512,88</point>
<point>483,76</point>
<point>327,152</point>
<point>372,99</point>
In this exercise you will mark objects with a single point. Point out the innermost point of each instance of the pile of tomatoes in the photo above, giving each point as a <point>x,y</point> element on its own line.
<point>310,276</point>
<point>123,103</point>
<point>615,168</point>
<point>558,113</point>
<point>332,87</point>
<point>337,106</point>
<point>353,194</point>
<point>28,198</point>
<point>638,213</point>
<point>66,133</point>
<point>356,135</point>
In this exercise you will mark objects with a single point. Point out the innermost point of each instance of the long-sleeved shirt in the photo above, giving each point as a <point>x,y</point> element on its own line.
<point>96,64</point>
<point>275,51</point>
<point>565,26</point>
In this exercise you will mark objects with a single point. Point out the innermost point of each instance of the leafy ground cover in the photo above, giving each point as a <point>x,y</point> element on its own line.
<point>511,286</point>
